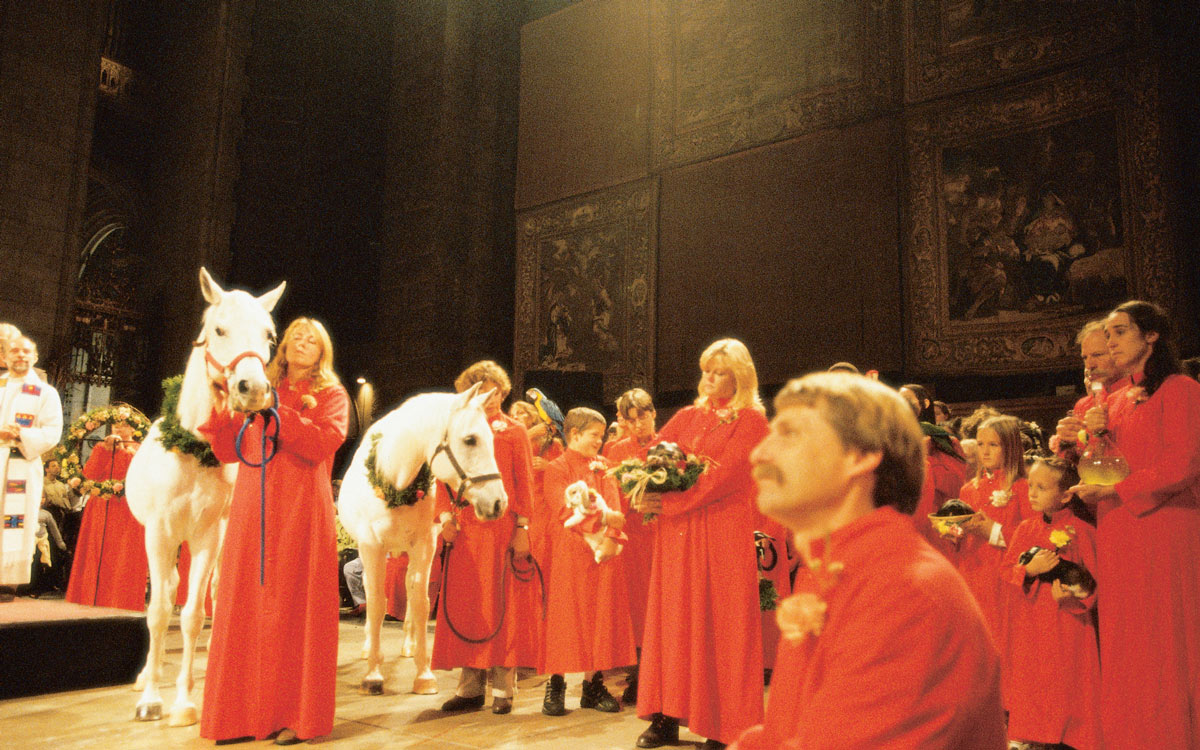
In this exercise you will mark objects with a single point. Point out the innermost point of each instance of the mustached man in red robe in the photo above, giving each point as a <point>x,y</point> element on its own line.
<point>110,567</point>
<point>636,417</point>
<point>1148,541</point>
<point>884,647</point>
<point>702,663</point>
<point>471,598</point>
<point>272,666</point>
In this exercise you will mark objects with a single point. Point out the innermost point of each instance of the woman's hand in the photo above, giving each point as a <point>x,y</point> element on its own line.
<point>651,502</point>
<point>1094,493</point>
<point>520,543</point>
<point>979,525</point>
<point>1043,561</point>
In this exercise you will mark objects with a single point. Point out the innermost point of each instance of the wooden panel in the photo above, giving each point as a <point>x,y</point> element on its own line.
<point>584,101</point>
<point>732,74</point>
<point>792,248</point>
<point>585,286</point>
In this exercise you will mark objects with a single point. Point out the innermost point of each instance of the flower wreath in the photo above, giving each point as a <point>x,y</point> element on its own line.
<point>67,452</point>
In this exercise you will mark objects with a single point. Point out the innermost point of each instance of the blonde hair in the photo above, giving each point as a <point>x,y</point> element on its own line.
<point>484,371</point>
<point>870,417</point>
<point>323,375</point>
<point>1008,429</point>
<point>737,356</point>
<point>634,398</point>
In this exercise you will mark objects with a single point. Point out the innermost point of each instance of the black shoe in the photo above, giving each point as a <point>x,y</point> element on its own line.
<point>501,705</point>
<point>555,702</point>
<point>629,697</point>
<point>459,703</point>
<point>596,695</point>
<point>712,745</point>
<point>663,730</point>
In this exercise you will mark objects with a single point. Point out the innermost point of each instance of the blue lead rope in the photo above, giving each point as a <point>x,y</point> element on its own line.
<point>270,419</point>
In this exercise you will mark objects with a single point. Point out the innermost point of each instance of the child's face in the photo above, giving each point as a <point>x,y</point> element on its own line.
<point>588,440</point>
<point>991,455</point>
<point>1045,493</point>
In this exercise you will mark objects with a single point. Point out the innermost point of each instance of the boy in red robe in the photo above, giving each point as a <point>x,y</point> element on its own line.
<point>1054,664</point>
<point>884,646</point>
<point>588,626</point>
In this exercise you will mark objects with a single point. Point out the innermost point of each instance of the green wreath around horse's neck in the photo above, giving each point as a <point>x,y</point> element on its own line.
<point>172,435</point>
<point>387,491</point>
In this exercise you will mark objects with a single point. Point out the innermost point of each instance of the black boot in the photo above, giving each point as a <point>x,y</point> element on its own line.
<point>596,696</point>
<point>663,730</point>
<point>555,702</point>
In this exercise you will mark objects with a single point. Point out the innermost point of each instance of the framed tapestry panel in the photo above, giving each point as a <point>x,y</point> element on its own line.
<point>731,74</point>
<point>586,286</point>
<point>1030,211</point>
<point>958,45</point>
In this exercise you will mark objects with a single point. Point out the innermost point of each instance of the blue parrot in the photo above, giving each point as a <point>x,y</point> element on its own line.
<point>547,410</point>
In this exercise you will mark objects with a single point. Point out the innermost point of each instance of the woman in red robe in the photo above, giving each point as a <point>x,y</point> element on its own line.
<point>471,597</point>
<point>588,624</point>
<point>1148,541</point>
<point>110,567</point>
<point>702,651</point>
<point>272,667</point>
<point>1052,658</point>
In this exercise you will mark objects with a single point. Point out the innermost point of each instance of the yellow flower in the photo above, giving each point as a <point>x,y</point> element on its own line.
<point>1060,538</point>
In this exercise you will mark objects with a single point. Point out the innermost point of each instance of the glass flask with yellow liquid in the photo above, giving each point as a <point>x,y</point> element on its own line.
<point>1101,462</point>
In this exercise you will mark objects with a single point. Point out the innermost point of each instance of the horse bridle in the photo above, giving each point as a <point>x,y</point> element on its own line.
<point>465,481</point>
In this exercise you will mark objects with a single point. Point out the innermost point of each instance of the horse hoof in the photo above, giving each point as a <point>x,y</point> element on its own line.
<point>425,686</point>
<point>183,717</point>
<point>372,687</point>
<point>148,712</point>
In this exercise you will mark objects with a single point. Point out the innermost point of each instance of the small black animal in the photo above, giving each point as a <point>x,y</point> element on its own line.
<point>1073,577</point>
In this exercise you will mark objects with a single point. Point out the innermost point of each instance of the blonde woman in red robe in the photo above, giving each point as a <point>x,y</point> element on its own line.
<point>110,567</point>
<point>470,604</point>
<point>1148,541</point>
<point>272,666</point>
<point>702,649</point>
<point>588,623</point>
<point>1053,662</point>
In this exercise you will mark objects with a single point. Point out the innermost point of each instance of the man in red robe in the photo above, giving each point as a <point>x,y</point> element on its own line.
<point>884,647</point>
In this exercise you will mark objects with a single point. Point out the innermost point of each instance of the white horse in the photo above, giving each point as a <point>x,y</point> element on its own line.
<point>179,500</point>
<point>449,433</point>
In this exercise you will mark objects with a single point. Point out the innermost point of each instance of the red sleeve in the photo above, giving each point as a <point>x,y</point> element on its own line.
<point>316,433</point>
<point>1175,461</point>
<point>730,470</point>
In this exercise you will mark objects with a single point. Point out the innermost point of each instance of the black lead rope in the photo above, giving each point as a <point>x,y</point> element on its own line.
<point>524,576</point>
<point>270,419</point>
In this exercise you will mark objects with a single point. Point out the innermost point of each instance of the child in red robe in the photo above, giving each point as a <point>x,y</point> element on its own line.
<point>1053,660</point>
<point>588,626</point>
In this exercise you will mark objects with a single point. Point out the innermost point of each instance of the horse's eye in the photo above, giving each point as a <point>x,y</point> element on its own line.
<point>220,331</point>
<point>471,441</point>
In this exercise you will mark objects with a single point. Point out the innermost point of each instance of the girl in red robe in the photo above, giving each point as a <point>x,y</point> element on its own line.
<point>110,567</point>
<point>1053,661</point>
<point>471,597</point>
<point>702,651</point>
<point>272,667</point>
<point>1148,541</point>
<point>588,625</point>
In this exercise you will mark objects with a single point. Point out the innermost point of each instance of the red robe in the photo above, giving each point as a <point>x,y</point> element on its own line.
<point>1148,547</point>
<point>588,625</point>
<point>639,550</point>
<point>110,567</point>
<point>273,655</point>
<point>1053,661</point>
<point>702,651</point>
<point>904,661</point>
<point>470,594</point>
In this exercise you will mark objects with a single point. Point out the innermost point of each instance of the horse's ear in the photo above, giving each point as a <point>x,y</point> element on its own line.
<point>211,290</point>
<point>271,298</point>
<point>464,398</point>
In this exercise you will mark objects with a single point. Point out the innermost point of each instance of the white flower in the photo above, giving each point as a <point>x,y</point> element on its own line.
<point>1000,498</point>
<point>499,425</point>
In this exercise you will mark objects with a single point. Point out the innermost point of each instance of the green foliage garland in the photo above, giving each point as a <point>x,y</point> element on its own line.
<point>172,435</point>
<point>386,491</point>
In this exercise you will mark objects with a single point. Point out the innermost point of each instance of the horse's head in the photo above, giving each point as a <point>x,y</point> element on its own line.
<point>236,338</point>
<point>465,459</point>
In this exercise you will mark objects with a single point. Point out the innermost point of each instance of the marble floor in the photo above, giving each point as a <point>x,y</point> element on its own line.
<point>397,720</point>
